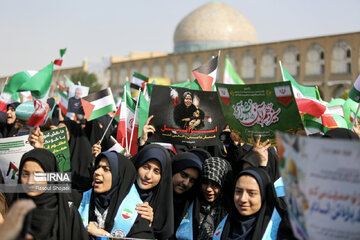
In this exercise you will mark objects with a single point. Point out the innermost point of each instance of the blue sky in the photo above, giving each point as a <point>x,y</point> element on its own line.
<point>32,32</point>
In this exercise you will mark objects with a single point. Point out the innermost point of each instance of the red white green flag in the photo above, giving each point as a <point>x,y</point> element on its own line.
<point>230,75</point>
<point>307,98</point>
<point>63,99</point>
<point>59,61</point>
<point>126,122</point>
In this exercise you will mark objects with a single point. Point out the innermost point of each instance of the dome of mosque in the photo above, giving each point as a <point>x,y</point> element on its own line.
<point>211,26</point>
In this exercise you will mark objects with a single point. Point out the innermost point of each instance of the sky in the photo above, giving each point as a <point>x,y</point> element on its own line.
<point>32,32</point>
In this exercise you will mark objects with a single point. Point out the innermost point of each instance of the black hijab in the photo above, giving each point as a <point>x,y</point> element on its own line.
<point>123,177</point>
<point>52,219</point>
<point>207,215</point>
<point>181,111</point>
<point>94,132</point>
<point>9,130</point>
<point>102,200</point>
<point>162,195</point>
<point>341,133</point>
<point>182,201</point>
<point>254,226</point>
<point>80,156</point>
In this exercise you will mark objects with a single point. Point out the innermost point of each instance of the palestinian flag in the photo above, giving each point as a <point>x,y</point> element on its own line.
<point>126,213</point>
<point>40,115</point>
<point>60,60</point>
<point>12,171</point>
<point>307,98</point>
<point>138,81</point>
<point>354,93</point>
<point>63,99</point>
<point>98,104</point>
<point>230,75</point>
<point>206,74</point>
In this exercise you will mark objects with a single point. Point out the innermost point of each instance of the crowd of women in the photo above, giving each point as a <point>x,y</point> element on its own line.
<point>232,191</point>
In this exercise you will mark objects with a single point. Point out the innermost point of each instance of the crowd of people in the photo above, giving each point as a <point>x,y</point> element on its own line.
<point>212,192</point>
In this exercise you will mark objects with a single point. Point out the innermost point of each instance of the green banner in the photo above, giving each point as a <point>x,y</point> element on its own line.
<point>260,109</point>
<point>56,142</point>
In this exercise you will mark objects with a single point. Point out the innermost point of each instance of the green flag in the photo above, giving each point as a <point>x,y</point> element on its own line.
<point>230,75</point>
<point>143,112</point>
<point>39,84</point>
<point>12,87</point>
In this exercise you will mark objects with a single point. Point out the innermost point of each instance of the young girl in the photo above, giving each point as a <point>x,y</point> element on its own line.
<point>154,185</point>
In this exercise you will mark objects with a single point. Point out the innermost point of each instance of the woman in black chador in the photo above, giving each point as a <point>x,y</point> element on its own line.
<point>186,113</point>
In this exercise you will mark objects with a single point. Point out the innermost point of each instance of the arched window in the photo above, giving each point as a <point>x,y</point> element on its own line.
<point>196,62</point>
<point>248,65</point>
<point>145,70</point>
<point>268,64</point>
<point>338,91</point>
<point>341,58</point>
<point>232,59</point>
<point>315,61</point>
<point>291,60</point>
<point>133,69</point>
<point>182,71</point>
<point>169,70</point>
<point>156,70</point>
<point>115,77</point>
<point>123,75</point>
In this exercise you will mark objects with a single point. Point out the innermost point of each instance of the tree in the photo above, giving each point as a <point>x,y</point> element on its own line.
<point>86,79</point>
<point>345,94</point>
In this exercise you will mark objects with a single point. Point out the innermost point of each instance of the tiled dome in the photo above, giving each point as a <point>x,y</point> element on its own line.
<point>211,26</point>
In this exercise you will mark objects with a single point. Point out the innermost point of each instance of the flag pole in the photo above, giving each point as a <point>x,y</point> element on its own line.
<point>107,128</point>
<point>355,118</point>
<point>282,71</point>
<point>126,141</point>
<point>133,124</point>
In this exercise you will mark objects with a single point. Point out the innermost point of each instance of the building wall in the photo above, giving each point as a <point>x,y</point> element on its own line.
<point>320,61</point>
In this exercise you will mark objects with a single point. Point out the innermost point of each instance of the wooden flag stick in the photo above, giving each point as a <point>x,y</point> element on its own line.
<point>107,128</point>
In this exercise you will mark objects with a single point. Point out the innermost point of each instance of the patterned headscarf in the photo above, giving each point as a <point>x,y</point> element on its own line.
<point>216,169</point>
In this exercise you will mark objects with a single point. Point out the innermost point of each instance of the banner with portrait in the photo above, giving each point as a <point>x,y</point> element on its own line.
<point>260,109</point>
<point>322,179</point>
<point>183,116</point>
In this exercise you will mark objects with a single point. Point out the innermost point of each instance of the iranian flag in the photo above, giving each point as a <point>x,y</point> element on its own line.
<point>224,95</point>
<point>40,114</point>
<point>126,213</point>
<point>60,60</point>
<point>307,98</point>
<point>63,99</point>
<point>68,83</point>
<point>230,75</point>
<point>206,74</point>
<point>354,93</point>
<point>98,104</point>
<point>138,81</point>
<point>126,122</point>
